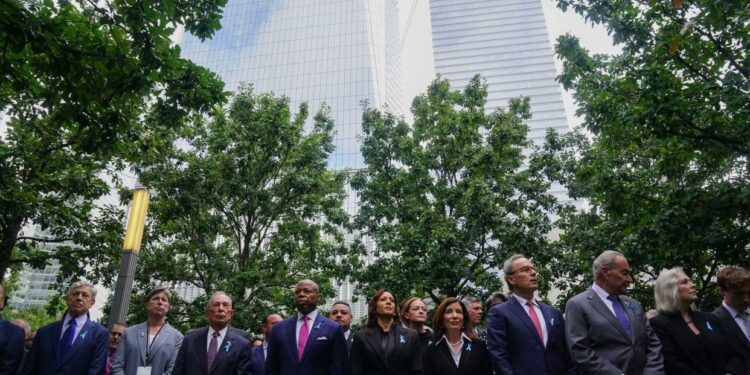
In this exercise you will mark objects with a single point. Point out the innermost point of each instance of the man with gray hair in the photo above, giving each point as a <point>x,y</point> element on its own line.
<point>608,332</point>
<point>74,345</point>
<point>215,349</point>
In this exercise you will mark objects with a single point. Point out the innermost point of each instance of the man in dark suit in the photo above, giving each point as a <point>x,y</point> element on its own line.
<point>734,312</point>
<point>524,335</point>
<point>307,343</point>
<point>341,313</point>
<point>11,341</point>
<point>215,349</point>
<point>74,345</point>
<point>260,352</point>
<point>607,332</point>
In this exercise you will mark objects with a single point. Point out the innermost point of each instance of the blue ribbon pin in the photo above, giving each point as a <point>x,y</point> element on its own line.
<point>468,347</point>
<point>317,326</point>
<point>228,346</point>
<point>552,321</point>
<point>402,339</point>
<point>83,335</point>
<point>708,324</point>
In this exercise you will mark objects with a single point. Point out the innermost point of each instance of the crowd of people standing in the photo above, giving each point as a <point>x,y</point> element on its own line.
<point>603,331</point>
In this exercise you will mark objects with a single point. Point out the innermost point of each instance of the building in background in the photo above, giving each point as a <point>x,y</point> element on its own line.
<point>338,52</point>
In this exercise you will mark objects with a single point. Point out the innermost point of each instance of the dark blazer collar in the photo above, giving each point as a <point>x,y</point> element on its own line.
<point>226,347</point>
<point>732,325</point>
<point>85,335</point>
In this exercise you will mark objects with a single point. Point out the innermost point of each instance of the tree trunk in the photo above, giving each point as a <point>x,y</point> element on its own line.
<point>10,236</point>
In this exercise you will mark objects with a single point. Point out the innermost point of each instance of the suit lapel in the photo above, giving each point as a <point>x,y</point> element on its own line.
<point>56,332</point>
<point>602,309</point>
<point>466,351</point>
<point>222,350</point>
<point>372,337</point>
<point>291,337</point>
<point>548,317</point>
<point>734,327</point>
<point>83,337</point>
<point>202,348</point>
<point>142,332</point>
<point>524,317</point>
<point>313,336</point>
<point>627,306</point>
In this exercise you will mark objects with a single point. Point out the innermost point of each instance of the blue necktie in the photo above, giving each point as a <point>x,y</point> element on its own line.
<point>621,316</point>
<point>67,340</point>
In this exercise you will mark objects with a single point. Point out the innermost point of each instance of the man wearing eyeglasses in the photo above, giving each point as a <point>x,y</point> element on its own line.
<point>115,336</point>
<point>526,336</point>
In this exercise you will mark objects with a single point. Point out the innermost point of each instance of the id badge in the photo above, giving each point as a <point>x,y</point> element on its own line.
<point>144,370</point>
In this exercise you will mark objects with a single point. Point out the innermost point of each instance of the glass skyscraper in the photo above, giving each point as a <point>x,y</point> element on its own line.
<point>335,51</point>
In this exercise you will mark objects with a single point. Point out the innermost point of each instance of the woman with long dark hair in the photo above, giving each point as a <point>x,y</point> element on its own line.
<point>456,349</point>
<point>384,347</point>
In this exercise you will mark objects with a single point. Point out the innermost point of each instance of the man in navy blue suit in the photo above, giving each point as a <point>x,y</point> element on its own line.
<point>11,342</point>
<point>74,345</point>
<point>524,335</point>
<point>260,352</point>
<point>217,349</point>
<point>307,343</point>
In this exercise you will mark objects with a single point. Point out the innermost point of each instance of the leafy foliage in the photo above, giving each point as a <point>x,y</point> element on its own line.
<point>77,79</point>
<point>247,205</point>
<point>447,200</point>
<point>665,171</point>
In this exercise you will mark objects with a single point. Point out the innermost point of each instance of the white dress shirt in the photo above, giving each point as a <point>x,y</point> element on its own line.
<point>603,294</point>
<point>219,339</point>
<point>80,321</point>
<point>741,321</point>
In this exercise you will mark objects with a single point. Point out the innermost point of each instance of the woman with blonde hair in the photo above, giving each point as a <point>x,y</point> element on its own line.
<point>692,341</point>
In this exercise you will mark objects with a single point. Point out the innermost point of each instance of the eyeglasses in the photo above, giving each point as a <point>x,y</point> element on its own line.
<point>527,269</point>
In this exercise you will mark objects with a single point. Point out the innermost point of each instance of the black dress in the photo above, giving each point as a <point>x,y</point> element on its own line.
<point>397,352</point>
<point>474,360</point>
<point>686,353</point>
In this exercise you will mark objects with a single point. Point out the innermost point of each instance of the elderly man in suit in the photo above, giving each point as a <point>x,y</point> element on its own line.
<point>607,332</point>
<point>74,345</point>
<point>734,312</point>
<point>260,352</point>
<point>526,336</point>
<point>215,349</point>
<point>11,341</point>
<point>307,343</point>
<point>152,345</point>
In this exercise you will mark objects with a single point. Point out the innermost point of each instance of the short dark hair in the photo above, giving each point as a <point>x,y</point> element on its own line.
<point>437,320</point>
<point>372,308</point>
<point>496,296</point>
<point>733,278</point>
<point>264,321</point>
<point>342,303</point>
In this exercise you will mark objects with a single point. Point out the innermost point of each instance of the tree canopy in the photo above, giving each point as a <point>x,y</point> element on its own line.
<point>664,166</point>
<point>446,200</point>
<point>78,78</point>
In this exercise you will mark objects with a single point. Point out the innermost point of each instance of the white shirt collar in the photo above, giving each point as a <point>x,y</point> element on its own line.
<point>80,321</point>
<point>222,333</point>
<point>603,294</point>
<point>523,301</point>
<point>731,310</point>
<point>312,315</point>
<point>463,335</point>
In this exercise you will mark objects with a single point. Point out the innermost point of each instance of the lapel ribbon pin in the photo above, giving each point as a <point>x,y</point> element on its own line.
<point>468,347</point>
<point>552,321</point>
<point>708,325</point>
<point>402,339</point>
<point>83,335</point>
<point>228,346</point>
<point>317,326</point>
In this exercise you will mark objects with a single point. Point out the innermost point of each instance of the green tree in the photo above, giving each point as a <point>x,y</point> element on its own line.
<point>77,79</point>
<point>247,205</point>
<point>665,169</point>
<point>447,200</point>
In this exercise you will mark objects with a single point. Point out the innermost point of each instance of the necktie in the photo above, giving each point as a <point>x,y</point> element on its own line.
<point>620,314</point>
<point>67,340</point>
<point>211,355</point>
<point>304,333</point>
<point>535,320</point>
<point>745,316</point>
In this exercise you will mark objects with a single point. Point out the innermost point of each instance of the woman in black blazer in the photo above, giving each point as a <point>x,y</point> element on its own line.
<point>385,347</point>
<point>692,341</point>
<point>456,350</point>
<point>414,316</point>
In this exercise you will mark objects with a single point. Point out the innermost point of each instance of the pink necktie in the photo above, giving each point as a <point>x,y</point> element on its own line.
<point>535,320</point>
<point>304,332</point>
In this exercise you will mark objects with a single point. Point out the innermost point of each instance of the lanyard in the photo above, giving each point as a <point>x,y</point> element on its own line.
<point>148,349</point>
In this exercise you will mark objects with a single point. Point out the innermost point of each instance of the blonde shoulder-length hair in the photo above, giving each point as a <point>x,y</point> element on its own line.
<point>665,291</point>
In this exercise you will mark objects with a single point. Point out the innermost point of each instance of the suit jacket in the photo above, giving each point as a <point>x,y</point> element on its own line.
<point>737,340</point>
<point>367,356</point>
<point>475,359</point>
<point>233,356</point>
<point>515,346</point>
<point>688,354</point>
<point>325,351</point>
<point>257,361</point>
<point>134,352</point>
<point>598,343</point>
<point>88,356</point>
<point>11,347</point>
